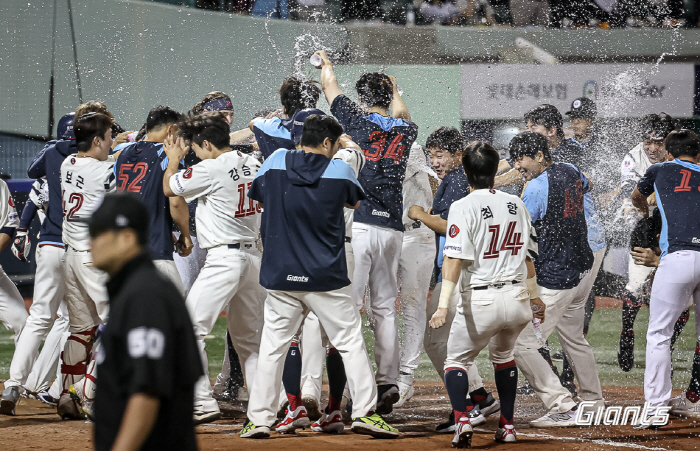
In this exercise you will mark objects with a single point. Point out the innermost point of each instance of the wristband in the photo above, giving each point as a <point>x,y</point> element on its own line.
<point>531,284</point>
<point>448,287</point>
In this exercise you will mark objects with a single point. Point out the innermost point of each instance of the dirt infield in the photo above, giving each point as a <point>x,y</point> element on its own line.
<point>36,426</point>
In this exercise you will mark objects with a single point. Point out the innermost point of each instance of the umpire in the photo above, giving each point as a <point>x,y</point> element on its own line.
<point>148,362</point>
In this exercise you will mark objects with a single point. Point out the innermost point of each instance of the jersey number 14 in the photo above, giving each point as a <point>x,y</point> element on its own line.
<point>511,241</point>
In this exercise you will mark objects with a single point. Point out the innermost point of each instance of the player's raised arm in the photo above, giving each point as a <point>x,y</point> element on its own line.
<point>640,201</point>
<point>329,83</point>
<point>398,107</point>
<point>176,149</point>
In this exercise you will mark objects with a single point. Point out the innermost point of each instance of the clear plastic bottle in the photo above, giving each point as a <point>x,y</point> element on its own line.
<point>410,15</point>
<point>536,325</point>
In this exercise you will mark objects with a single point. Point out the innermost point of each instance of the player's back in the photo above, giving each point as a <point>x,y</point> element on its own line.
<point>225,213</point>
<point>386,143</point>
<point>498,233</point>
<point>677,187</point>
<point>84,182</point>
<point>140,169</point>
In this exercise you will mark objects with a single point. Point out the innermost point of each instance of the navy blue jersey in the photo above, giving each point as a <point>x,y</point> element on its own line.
<point>570,151</point>
<point>386,142</point>
<point>677,187</point>
<point>555,201</point>
<point>272,134</point>
<point>140,169</point>
<point>453,187</point>
<point>48,164</point>
<point>303,226</point>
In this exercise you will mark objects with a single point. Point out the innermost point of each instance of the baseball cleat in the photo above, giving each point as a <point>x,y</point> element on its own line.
<point>405,393</point>
<point>46,398</point>
<point>330,423</point>
<point>489,406</point>
<point>505,434</point>
<point>448,426</point>
<point>556,420</point>
<point>525,389</point>
<point>625,353</point>
<point>9,400</point>
<point>375,426</point>
<point>201,417</point>
<point>476,418</point>
<point>298,419</point>
<point>312,409</point>
<point>67,408</point>
<point>682,406</point>
<point>463,434</point>
<point>387,396</point>
<point>252,431</point>
<point>81,401</point>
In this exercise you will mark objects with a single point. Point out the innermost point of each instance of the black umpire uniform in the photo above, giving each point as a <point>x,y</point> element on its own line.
<point>148,346</point>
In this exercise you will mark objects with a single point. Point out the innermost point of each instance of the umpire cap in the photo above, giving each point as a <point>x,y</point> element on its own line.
<point>298,122</point>
<point>64,129</point>
<point>120,211</point>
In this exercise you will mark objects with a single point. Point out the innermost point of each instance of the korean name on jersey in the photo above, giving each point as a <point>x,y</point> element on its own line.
<point>492,230</point>
<point>84,182</point>
<point>225,213</point>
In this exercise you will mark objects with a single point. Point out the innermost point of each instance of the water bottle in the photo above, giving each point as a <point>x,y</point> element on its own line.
<point>536,325</point>
<point>316,61</point>
<point>410,15</point>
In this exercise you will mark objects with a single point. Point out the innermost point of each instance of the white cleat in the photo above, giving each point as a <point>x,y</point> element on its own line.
<point>683,407</point>
<point>506,434</point>
<point>556,420</point>
<point>298,419</point>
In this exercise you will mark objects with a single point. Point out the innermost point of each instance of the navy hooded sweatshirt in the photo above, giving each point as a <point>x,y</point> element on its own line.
<point>303,227</point>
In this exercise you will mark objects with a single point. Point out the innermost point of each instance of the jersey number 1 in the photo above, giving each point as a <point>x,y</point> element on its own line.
<point>511,242</point>
<point>246,208</point>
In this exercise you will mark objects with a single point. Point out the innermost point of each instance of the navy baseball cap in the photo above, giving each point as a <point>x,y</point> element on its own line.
<point>120,211</point>
<point>582,107</point>
<point>64,129</point>
<point>298,122</point>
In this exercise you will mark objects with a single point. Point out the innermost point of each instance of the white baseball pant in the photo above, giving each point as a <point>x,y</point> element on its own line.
<point>48,300</point>
<point>229,278</point>
<point>377,253</point>
<point>415,270</point>
<point>340,318</point>
<point>565,310</point>
<point>435,340</point>
<point>677,279</point>
<point>494,317</point>
<point>169,270</point>
<point>87,302</point>
<point>637,276</point>
<point>189,266</point>
<point>313,352</point>
<point>13,313</point>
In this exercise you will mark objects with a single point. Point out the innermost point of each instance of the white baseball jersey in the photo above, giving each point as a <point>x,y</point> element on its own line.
<point>8,214</point>
<point>84,182</point>
<point>39,196</point>
<point>493,230</point>
<point>634,166</point>
<point>356,160</point>
<point>225,214</point>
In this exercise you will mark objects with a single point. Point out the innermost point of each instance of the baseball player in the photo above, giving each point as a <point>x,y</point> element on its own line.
<point>228,224</point>
<point>415,269</point>
<point>25,358</point>
<point>554,198</point>
<point>139,170</point>
<point>675,184</point>
<point>488,241</point>
<point>446,146</point>
<point>650,151</point>
<point>378,227</point>
<point>304,268</point>
<point>86,177</point>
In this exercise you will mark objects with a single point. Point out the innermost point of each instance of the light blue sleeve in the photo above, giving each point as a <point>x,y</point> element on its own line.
<point>535,197</point>
<point>272,127</point>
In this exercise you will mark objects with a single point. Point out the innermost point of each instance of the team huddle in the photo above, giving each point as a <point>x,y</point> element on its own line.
<point>296,225</point>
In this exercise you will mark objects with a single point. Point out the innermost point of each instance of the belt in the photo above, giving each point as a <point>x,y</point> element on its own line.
<point>238,246</point>
<point>495,285</point>
<point>348,239</point>
<point>411,226</point>
<point>69,248</point>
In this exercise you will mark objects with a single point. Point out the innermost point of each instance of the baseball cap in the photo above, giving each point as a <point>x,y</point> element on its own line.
<point>298,122</point>
<point>64,129</point>
<point>120,211</point>
<point>582,107</point>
